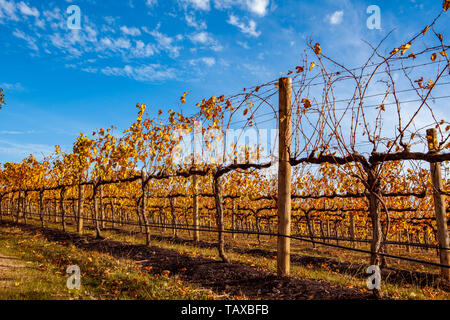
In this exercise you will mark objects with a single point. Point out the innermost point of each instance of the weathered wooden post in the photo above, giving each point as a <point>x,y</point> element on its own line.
<point>63,208</point>
<point>439,206</point>
<point>41,207</point>
<point>352,229</point>
<point>80,209</point>
<point>284,177</point>
<point>195,208</point>
<point>102,210</point>
<point>233,218</point>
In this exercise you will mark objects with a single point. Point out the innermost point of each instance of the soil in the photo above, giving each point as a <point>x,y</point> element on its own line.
<point>8,270</point>
<point>226,279</point>
<point>391,275</point>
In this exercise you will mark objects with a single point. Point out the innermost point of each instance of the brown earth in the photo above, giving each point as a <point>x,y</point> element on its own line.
<point>226,279</point>
<point>9,270</point>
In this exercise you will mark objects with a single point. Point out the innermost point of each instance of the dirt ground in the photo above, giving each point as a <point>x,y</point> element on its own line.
<point>9,270</point>
<point>226,279</point>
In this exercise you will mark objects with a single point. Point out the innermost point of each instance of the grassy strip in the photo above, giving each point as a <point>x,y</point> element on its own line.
<point>102,276</point>
<point>322,272</point>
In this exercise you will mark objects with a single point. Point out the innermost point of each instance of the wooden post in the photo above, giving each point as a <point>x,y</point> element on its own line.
<point>284,177</point>
<point>195,208</point>
<point>41,207</point>
<point>352,229</point>
<point>80,209</point>
<point>439,206</point>
<point>102,211</point>
<point>1,208</point>
<point>233,218</point>
<point>96,215</point>
<point>174,217</point>
<point>144,185</point>
<point>328,231</point>
<point>218,197</point>
<point>63,209</point>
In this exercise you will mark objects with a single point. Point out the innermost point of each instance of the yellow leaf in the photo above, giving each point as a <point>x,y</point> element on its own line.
<point>312,66</point>
<point>404,48</point>
<point>394,51</point>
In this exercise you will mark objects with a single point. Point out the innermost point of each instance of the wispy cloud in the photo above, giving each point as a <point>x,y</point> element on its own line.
<point>257,7</point>
<point>26,10</point>
<point>151,72</point>
<point>197,4</point>
<point>164,42</point>
<point>28,39</point>
<point>336,17</point>
<point>192,22</point>
<point>209,61</point>
<point>133,31</point>
<point>206,39</point>
<point>151,3</point>
<point>8,10</point>
<point>12,86</point>
<point>24,149</point>
<point>249,28</point>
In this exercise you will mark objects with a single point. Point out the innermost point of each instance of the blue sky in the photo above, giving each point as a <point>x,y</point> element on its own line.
<point>60,82</point>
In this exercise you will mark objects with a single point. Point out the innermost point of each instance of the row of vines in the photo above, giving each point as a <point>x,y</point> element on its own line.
<point>357,152</point>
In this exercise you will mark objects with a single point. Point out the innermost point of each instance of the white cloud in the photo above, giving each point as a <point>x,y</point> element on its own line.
<point>116,44</point>
<point>24,149</point>
<point>243,44</point>
<point>26,10</point>
<point>10,132</point>
<point>30,40</point>
<point>249,29</point>
<point>336,17</point>
<point>192,22</point>
<point>142,50</point>
<point>151,3</point>
<point>206,39</point>
<point>152,72</point>
<point>130,31</point>
<point>165,42</point>
<point>197,4</point>
<point>258,7</point>
<point>201,37</point>
<point>8,10</point>
<point>208,61</point>
<point>12,86</point>
<point>90,69</point>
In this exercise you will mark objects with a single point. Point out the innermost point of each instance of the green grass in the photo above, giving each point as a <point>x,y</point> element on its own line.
<point>102,276</point>
<point>323,272</point>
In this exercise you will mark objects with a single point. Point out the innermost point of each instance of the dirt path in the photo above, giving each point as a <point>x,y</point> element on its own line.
<point>9,269</point>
